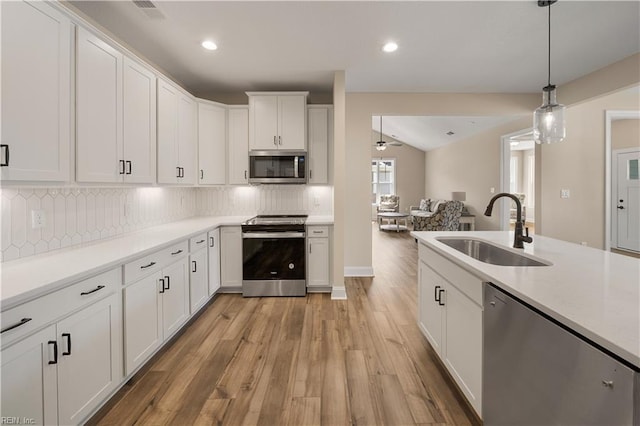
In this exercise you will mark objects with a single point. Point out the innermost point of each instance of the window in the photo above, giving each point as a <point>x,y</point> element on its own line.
<point>513,174</point>
<point>383,178</point>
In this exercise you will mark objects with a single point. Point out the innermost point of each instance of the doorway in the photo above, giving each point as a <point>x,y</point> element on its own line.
<point>518,178</point>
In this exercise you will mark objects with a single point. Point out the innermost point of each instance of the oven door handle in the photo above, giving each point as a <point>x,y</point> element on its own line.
<point>273,235</point>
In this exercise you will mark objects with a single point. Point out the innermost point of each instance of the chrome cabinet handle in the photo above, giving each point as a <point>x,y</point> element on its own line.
<point>23,321</point>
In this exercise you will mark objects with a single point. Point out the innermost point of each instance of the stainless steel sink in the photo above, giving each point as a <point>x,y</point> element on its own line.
<point>487,252</point>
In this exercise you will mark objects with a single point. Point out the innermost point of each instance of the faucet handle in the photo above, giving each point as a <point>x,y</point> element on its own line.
<point>527,238</point>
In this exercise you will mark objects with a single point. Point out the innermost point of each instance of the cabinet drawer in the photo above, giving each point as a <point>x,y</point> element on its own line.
<point>46,309</point>
<point>198,242</point>
<point>151,263</point>
<point>467,283</point>
<point>318,231</point>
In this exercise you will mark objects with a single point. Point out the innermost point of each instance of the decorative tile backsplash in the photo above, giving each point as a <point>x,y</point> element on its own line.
<point>78,215</point>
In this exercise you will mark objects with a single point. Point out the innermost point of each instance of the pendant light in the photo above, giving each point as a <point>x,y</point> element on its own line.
<point>548,119</point>
<point>381,145</point>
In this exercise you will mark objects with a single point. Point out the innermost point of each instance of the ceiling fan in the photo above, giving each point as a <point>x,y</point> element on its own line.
<point>381,145</point>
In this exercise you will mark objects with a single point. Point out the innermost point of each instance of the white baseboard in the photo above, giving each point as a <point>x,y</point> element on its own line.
<point>358,271</point>
<point>339,293</point>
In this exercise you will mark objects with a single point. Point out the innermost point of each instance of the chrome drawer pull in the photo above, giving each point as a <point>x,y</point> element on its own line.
<point>11,327</point>
<point>84,293</point>
<point>148,266</point>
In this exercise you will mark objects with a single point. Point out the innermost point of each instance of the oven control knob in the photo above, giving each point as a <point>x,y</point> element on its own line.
<point>291,266</point>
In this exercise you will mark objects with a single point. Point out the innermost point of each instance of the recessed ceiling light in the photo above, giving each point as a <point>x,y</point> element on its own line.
<point>390,47</point>
<point>209,45</point>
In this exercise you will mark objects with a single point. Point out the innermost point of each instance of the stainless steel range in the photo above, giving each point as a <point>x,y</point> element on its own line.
<point>273,256</point>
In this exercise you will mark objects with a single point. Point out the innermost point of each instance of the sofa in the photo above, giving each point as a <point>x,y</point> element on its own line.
<point>436,215</point>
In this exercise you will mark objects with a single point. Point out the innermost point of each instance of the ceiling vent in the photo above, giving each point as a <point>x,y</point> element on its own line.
<point>149,9</point>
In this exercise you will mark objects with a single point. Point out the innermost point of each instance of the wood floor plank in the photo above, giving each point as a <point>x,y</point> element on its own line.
<point>301,361</point>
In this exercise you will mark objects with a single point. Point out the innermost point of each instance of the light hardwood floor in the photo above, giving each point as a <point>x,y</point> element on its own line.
<point>301,361</point>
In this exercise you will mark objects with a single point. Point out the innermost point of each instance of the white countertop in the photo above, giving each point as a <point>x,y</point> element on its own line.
<point>25,279</point>
<point>594,292</point>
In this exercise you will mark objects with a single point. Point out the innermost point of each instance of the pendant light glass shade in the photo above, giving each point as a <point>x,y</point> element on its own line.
<point>381,146</point>
<point>548,119</point>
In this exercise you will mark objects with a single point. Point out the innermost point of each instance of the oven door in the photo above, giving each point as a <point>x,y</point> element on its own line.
<point>273,264</point>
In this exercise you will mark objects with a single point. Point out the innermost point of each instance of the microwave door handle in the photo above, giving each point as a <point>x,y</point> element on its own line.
<point>295,166</point>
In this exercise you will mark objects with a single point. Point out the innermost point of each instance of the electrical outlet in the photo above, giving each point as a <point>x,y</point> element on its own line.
<point>492,190</point>
<point>38,219</point>
<point>565,193</point>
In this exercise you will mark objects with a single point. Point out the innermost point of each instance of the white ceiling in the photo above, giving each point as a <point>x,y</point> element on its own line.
<point>444,46</point>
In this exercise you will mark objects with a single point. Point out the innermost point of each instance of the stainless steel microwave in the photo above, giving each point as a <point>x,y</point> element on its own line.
<point>277,166</point>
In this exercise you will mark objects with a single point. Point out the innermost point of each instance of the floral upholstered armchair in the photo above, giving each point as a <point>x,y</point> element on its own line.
<point>446,217</point>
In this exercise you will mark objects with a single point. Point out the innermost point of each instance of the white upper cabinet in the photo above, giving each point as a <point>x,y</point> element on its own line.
<point>277,120</point>
<point>36,92</point>
<point>238,120</point>
<point>212,142</point>
<point>176,135</point>
<point>98,110</point>
<point>320,127</point>
<point>139,106</point>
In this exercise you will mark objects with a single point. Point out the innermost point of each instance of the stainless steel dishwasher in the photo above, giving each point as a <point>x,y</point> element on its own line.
<point>537,372</point>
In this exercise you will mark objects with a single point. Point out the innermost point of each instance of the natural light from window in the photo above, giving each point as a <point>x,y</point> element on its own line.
<point>383,178</point>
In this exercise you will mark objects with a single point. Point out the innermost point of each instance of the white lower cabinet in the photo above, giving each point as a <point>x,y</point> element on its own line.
<point>63,372</point>
<point>198,272</point>
<point>231,257</point>
<point>450,317</point>
<point>318,258</point>
<point>214,261</point>
<point>156,306</point>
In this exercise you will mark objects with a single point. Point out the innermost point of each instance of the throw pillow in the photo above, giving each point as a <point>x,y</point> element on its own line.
<point>423,205</point>
<point>434,206</point>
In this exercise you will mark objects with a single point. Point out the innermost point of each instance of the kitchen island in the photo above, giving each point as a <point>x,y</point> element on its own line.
<point>594,293</point>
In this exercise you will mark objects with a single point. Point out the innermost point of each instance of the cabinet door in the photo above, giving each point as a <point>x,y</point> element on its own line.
<point>292,119</point>
<point>212,144</point>
<point>318,264</point>
<point>430,315</point>
<point>238,146</point>
<point>98,110</point>
<point>175,299</point>
<point>214,261</point>
<point>36,92</point>
<point>231,256</point>
<point>187,128</point>
<point>463,345</point>
<point>139,104</point>
<point>198,279</point>
<point>90,364</point>
<point>142,320</point>
<point>29,382</point>
<point>318,145</point>
<point>168,97</point>
<point>263,122</point>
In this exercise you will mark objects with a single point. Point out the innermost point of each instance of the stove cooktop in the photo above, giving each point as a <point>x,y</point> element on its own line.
<point>276,220</point>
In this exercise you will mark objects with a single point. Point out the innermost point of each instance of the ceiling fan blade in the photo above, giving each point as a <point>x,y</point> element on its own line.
<point>394,143</point>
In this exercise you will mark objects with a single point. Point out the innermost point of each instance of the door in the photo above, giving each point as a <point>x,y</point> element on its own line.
<point>430,316</point>
<point>238,146</point>
<point>214,261</point>
<point>628,200</point>
<point>167,133</point>
<point>36,92</point>
<point>263,126</point>
<point>175,299</point>
<point>90,359</point>
<point>98,110</point>
<point>187,116</point>
<point>139,104</point>
<point>318,266</point>
<point>142,320</point>
<point>29,379</point>
<point>292,118</point>
<point>199,288</point>
<point>212,138</point>
<point>271,256</point>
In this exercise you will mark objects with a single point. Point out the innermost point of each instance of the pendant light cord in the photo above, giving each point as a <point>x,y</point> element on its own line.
<point>549,50</point>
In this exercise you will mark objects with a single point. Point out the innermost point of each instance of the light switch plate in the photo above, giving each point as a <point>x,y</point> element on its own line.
<point>564,193</point>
